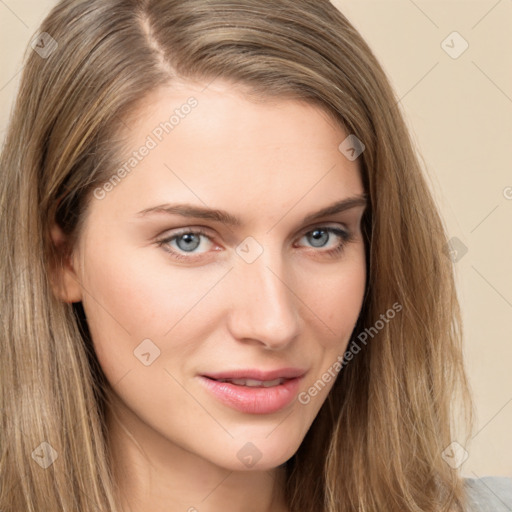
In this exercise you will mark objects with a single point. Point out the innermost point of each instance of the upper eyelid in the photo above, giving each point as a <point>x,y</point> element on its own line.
<point>326,224</point>
<point>206,231</point>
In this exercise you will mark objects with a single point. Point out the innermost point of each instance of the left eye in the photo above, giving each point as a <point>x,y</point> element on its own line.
<point>321,235</point>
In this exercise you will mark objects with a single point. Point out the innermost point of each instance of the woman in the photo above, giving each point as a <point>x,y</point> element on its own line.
<point>226,283</point>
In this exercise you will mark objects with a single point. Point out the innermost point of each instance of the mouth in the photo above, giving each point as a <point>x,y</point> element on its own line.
<point>255,392</point>
<point>252,383</point>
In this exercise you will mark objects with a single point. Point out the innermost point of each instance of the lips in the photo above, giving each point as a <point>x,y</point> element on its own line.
<point>254,391</point>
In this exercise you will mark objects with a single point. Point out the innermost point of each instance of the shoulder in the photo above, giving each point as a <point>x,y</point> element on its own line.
<point>489,494</point>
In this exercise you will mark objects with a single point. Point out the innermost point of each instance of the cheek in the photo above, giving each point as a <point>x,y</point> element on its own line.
<point>144,296</point>
<point>335,297</point>
<point>134,298</point>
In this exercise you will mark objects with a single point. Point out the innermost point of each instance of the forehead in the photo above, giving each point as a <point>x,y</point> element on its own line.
<point>215,146</point>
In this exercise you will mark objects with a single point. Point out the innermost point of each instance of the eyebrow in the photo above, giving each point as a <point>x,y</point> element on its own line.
<point>200,212</point>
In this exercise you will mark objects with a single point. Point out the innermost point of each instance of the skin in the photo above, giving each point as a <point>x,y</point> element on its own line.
<point>271,163</point>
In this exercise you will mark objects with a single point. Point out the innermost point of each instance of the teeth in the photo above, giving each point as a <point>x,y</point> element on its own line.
<point>254,383</point>
<point>275,382</point>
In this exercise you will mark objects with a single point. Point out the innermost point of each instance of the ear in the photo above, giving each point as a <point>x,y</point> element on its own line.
<point>63,276</point>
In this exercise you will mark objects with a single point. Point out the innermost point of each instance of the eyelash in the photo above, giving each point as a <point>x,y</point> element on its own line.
<point>346,238</point>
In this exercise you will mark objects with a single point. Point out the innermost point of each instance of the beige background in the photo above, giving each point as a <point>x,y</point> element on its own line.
<point>460,113</point>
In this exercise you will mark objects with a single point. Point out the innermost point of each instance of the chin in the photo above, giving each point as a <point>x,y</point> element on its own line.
<point>258,453</point>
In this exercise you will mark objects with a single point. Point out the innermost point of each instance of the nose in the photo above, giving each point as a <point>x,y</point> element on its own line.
<point>264,303</point>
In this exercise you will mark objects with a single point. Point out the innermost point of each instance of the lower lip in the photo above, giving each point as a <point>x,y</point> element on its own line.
<point>254,400</point>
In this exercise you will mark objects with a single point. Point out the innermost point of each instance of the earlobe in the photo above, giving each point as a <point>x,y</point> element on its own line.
<point>64,280</point>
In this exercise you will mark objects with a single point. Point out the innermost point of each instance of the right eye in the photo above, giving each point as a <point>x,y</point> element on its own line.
<point>184,243</point>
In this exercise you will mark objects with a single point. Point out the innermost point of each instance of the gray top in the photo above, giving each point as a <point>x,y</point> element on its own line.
<point>489,494</point>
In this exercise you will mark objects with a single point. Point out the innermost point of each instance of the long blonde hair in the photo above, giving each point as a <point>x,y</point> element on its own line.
<point>377,442</point>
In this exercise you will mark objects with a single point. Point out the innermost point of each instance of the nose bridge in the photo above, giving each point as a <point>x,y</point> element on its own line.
<point>264,307</point>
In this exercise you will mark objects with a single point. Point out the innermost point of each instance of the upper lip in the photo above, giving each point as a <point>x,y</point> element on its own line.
<point>256,374</point>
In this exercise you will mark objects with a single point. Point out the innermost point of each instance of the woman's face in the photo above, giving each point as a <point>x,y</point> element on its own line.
<point>177,298</point>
